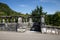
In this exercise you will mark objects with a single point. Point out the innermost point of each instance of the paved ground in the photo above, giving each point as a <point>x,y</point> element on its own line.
<point>28,35</point>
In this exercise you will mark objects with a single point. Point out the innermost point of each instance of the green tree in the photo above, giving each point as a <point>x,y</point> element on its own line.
<point>49,19</point>
<point>56,18</point>
<point>37,14</point>
<point>53,19</point>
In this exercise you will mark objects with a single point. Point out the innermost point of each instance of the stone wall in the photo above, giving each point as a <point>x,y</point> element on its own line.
<point>8,26</point>
<point>50,30</point>
<point>13,26</point>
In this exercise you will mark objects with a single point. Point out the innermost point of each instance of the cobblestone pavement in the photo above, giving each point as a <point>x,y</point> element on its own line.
<point>28,35</point>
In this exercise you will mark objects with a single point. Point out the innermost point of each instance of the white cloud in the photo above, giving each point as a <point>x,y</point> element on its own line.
<point>57,2</point>
<point>54,1</point>
<point>22,5</point>
<point>44,0</point>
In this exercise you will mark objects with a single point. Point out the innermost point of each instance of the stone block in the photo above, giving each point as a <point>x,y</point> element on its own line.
<point>48,30</point>
<point>43,30</point>
<point>21,30</point>
<point>53,31</point>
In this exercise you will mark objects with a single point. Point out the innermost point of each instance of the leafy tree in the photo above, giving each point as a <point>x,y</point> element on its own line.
<point>53,19</point>
<point>56,19</point>
<point>49,19</point>
<point>36,14</point>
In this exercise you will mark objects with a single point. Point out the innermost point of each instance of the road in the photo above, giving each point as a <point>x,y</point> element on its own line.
<point>28,35</point>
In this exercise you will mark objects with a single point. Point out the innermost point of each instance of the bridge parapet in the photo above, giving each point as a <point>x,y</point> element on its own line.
<point>51,29</point>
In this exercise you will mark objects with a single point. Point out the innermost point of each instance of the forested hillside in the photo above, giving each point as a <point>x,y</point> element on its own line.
<point>5,10</point>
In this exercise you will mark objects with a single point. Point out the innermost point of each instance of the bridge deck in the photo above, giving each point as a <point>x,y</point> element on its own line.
<point>28,35</point>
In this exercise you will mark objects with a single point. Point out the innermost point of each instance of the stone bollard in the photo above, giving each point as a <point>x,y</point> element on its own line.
<point>43,30</point>
<point>21,25</point>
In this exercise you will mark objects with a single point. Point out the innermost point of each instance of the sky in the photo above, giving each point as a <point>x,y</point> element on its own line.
<point>26,6</point>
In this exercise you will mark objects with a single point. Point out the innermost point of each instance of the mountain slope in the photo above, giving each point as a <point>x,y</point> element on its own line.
<point>5,10</point>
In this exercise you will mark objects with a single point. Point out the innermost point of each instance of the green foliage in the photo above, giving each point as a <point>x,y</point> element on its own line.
<point>56,19</point>
<point>37,14</point>
<point>49,19</point>
<point>53,19</point>
<point>5,10</point>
